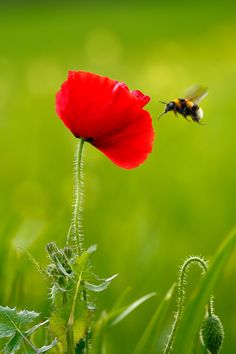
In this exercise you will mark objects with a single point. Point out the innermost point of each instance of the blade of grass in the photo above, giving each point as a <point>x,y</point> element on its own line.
<point>194,312</point>
<point>109,320</point>
<point>119,315</point>
<point>150,335</point>
<point>119,302</point>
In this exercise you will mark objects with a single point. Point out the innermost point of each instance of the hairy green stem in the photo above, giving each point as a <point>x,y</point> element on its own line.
<point>75,233</point>
<point>76,237</point>
<point>70,324</point>
<point>181,297</point>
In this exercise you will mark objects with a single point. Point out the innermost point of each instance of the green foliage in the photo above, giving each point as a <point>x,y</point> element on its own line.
<point>151,334</point>
<point>60,318</point>
<point>189,328</point>
<point>72,312</point>
<point>70,315</point>
<point>119,315</point>
<point>14,344</point>
<point>100,287</point>
<point>109,320</point>
<point>12,321</point>
<point>16,326</point>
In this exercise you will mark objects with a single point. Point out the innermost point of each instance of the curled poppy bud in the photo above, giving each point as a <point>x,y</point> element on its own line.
<point>212,334</point>
<point>108,115</point>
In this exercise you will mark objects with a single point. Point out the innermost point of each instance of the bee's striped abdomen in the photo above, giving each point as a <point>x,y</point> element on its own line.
<point>183,106</point>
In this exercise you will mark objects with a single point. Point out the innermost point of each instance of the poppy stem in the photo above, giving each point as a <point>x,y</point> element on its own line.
<point>181,296</point>
<point>75,233</point>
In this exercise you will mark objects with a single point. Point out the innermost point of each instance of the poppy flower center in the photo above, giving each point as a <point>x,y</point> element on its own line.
<point>89,140</point>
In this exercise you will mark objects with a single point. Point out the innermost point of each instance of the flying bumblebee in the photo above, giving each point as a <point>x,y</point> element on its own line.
<point>188,107</point>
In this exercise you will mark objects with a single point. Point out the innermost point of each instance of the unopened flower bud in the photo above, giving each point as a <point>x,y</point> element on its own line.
<point>212,334</point>
<point>68,252</point>
<point>51,249</point>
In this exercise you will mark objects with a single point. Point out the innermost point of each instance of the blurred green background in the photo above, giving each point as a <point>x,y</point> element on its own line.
<point>145,221</point>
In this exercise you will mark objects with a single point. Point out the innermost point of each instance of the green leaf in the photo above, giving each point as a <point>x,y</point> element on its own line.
<point>92,249</point>
<point>81,261</point>
<point>16,325</point>
<point>117,316</point>
<point>102,286</point>
<point>45,348</point>
<point>12,321</point>
<point>70,315</point>
<point>109,320</point>
<point>118,303</point>
<point>13,345</point>
<point>194,312</point>
<point>59,322</point>
<point>37,326</point>
<point>151,333</point>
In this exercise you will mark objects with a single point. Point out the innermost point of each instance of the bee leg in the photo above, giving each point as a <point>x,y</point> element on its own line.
<point>175,113</point>
<point>187,119</point>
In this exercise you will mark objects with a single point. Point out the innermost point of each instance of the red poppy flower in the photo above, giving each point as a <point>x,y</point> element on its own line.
<point>109,116</point>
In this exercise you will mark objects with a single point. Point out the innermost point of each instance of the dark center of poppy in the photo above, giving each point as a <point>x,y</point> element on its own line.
<point>89,140</point>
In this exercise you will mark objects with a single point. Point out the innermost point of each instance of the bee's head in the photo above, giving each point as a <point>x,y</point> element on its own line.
<point>169,107</point>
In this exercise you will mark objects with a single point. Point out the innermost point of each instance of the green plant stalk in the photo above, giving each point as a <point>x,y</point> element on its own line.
<point>181,298</point>
<point>70,324</point>
<point>76,231</point>
<point>76,235</point>
<point>85,299</point>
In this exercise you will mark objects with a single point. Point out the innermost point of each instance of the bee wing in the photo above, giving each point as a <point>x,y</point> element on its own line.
<point>196,93</point>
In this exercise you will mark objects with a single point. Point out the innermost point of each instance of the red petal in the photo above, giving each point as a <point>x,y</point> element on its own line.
<point>130,147</point>
<point>80,99</point>
<point>143,100</point>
